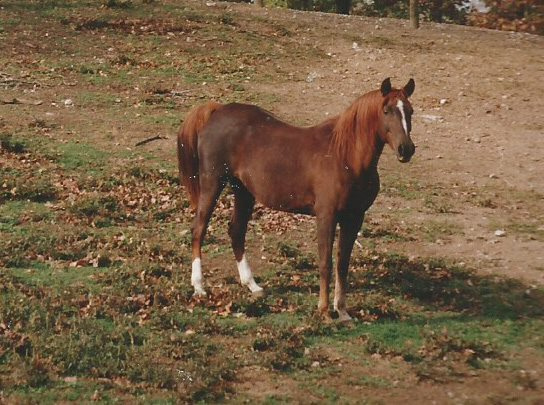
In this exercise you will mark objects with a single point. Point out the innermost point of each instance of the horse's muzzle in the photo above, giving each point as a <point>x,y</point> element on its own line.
<point>405,152</point>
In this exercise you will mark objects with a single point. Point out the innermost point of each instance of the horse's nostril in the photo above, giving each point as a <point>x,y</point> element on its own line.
<point>401,150</point>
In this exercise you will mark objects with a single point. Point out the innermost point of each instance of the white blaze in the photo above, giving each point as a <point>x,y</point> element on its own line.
<point>196,277</point>
<point>400,106</point>
<point>246,276</point>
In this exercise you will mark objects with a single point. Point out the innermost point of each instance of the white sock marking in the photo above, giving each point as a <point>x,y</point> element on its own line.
<point>246,276</point>
<point>400,106</point>
<point>342,313</point>
<point>196,277</point>
<point>336,293</point>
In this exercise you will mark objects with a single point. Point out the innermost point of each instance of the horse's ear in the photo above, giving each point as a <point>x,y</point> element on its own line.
<point>386,87</point>
<point>409,88</point>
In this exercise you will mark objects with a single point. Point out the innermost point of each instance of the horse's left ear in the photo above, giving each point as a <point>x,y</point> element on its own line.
<point>409,88</point>
<point>386,87</point>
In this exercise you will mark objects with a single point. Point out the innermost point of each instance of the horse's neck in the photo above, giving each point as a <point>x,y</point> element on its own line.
<point>327,126</point>
<point>370,159</point>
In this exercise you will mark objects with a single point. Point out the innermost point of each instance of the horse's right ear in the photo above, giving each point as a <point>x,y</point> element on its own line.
<point>409,88</point>
<point>386,87</point>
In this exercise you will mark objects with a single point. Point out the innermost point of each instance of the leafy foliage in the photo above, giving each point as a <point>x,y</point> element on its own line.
<point>431,10</point>
<point>512,15</point>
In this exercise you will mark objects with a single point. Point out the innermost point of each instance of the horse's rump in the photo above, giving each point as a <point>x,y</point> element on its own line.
<point>195,121</point>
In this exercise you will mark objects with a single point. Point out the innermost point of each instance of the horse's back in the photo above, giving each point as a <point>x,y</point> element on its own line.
<point>237,118</point>
<point>244,126</point>
<point>274,160</point>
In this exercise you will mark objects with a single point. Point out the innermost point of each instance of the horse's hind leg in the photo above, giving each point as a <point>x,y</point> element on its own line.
<point>243,208</point>
<point>210,188</point>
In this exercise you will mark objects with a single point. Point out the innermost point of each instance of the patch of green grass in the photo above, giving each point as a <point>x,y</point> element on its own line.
<point>284,320</point>
<point>438,205</point>
<point>235,326</point>
<point>295,256</point>
<point>438,283</point>
<point>276,400</point>
<point>378,337</point>
<point>381,41</point>
<point>118,4</point>
<point>56,392</point>
<point>372,382</point>
<point>42,275</point>
<point>438,342</point>
<point>42,6</point>
<point>96,99</point>
<point>93,205</point>
<point>281,349</point>
<point>13,213</point>
<point>436,230</point>
<point>32,186</point>
<point>384,234</point>
<point>395,186</point>
<point>11,144</point>
<point>81,157</point>
<point>533,230</point>
<point>172,121</point>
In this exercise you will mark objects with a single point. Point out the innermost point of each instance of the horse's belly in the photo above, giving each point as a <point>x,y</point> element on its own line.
<point>289,204</point>
<point>279,193</point>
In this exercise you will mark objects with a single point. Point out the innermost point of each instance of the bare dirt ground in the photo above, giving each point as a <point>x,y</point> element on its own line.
<point>473,193</point>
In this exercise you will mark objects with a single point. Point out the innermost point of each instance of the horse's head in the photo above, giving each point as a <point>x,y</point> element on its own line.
<point>397,119</point>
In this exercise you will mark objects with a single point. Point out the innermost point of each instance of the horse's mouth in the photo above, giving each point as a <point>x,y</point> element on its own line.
<point>405,151</point>
<point>404,159</point>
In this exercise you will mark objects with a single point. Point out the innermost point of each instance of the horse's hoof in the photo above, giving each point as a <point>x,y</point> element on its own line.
<point>343,317</point>
<point>200,293</point>
<point>325,317</point>
<point>258,293</point>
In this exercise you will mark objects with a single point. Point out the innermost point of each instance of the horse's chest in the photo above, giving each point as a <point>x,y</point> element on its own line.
<point>364,193</point>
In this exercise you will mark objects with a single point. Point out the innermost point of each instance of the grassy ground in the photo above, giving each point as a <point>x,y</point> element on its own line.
<point>95,298</point>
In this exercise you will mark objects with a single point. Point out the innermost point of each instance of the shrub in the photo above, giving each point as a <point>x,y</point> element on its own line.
<point>511,15</point>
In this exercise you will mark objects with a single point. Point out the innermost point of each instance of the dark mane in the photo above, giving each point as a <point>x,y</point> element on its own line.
<point>354,139</point>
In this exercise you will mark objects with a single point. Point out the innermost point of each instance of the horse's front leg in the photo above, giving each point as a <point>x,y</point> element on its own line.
<point>326,224</point>
<point>349,227</point>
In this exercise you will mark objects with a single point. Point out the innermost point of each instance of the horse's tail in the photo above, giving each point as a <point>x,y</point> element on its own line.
<point>196,119</point>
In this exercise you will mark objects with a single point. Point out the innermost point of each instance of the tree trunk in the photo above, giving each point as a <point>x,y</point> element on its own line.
<point>414,15</point>
<point>343,6</point>
<point>259,3</point>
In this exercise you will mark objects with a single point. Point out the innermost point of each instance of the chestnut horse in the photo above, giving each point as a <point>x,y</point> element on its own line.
<point>328,170</point>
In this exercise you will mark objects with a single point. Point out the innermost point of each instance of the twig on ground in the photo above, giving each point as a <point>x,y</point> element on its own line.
<point>20,101</point>
<point>153,138</point>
